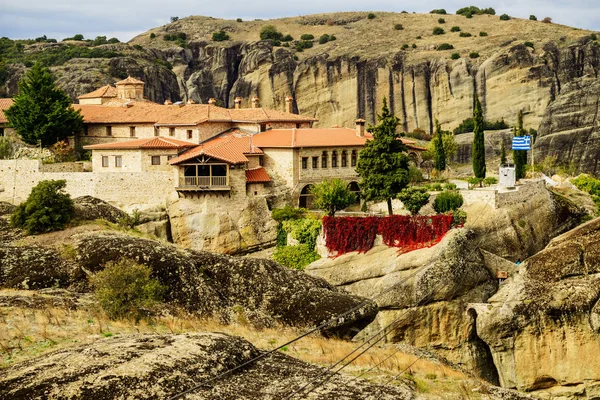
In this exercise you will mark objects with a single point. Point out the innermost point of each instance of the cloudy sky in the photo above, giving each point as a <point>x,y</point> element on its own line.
<point>22,19</point>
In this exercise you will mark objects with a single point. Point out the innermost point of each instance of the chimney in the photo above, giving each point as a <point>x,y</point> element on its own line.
<point>255,102</point>
<point>289,104</point>
<point>360,127</point>
<point>212,101</point>
<point>238,102</point>
<point>190,101</point>
<point>168,102</point>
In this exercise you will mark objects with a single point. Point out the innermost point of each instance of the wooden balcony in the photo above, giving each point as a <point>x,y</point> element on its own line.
<point>203,183</point>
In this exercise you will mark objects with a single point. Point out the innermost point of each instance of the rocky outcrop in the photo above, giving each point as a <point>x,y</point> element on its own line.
<point>159,367</point>
<point>543,324</point>
<point>31,267</point>
<point>89,208</point>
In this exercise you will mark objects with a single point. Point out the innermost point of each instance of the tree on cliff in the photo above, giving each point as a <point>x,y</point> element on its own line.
<point>41,113</point>
<point>383,165</point>
<point>478,141</point>
<point>439,154</point>
<point>332,195</point>
<point>520,156</point>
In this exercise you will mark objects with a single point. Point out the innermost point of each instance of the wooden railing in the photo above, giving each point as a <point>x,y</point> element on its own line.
<point>204,181</point>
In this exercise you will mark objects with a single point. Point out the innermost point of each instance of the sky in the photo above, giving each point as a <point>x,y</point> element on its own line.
<point>124,19</point>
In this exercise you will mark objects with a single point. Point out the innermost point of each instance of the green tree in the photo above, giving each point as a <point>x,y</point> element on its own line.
<point>270,32</point>
<point>439,155</point>
<point>502,154</point>
<point>332,195</point>
<point>519,156</point>
<point>41,112</point>
<point>478,141</point>
<point>448,200</point>
<point>47,208</point>
<point>382,165</point>
<point>414,198</point>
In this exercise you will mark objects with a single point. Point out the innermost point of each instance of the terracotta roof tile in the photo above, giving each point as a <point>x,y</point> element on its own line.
<point>4,104</point>
<point>104,91</point>
<point>265,115</point>
<point>130,80</point>
<point>231,148</point>
<point>257,175</point>
<point>146,143</point>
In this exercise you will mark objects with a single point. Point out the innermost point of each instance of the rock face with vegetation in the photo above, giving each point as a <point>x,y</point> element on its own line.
<point>158,367</point>
<point>543,325</point>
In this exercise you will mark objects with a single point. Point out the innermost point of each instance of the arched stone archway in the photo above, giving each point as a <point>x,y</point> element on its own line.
<point>354,188</point>
<point>306,198</point>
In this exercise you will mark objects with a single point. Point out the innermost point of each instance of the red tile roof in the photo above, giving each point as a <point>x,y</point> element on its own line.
<point>4,104</point>
<point>232,149</point>
<point>257,175</point>
<point>129,80</point>
<point>147,143</point>
<point>104,91</point>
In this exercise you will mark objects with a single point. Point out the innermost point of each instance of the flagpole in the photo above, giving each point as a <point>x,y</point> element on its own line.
<point>532,164</point>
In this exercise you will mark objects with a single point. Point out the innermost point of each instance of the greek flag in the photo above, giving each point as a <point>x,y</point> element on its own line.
<point>521,143</point>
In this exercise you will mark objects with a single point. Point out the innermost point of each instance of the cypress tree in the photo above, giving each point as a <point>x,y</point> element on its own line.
<point>478,141</point>
<point>502,154</point>
<point>519,156</point>
<point>439,155</point>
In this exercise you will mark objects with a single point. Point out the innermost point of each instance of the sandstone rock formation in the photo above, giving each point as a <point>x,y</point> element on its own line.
<point>543,325</point>
<point>158,367</point>
<point>89,208</point>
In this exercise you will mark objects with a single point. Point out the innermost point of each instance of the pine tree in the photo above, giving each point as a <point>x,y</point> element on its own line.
<point>520,156</point>
<point>438,146</point>
<point>41,113</point>
<point>478,141</point>
<point>502,154</point>
<point>382,163</point>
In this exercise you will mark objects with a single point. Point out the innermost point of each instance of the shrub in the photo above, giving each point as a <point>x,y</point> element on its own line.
<point>444,46</point>
<point>324,39</point>
<point>413,198</point>
<point>474,54</point>
<point>275,42</point>
<point>454,56</point>
<point>332,38</point>
<point>138,47</point>
<point>414,46</point>
<point>270,32</point>
<point>455,29</point>
<point>448,200</point>
<point>528,44</point>
<point>441,21</point>
<point>593,36</point>
<point>47,208</point>
<point>332,195</point>
<point>467,126</point>
<point>418,37</point>
<point>438,31</point>
<point>438,11</point>
<point>419,134</point>
<point>6,148</point>
<point>124,288</point>
<point>547,20</point>
<point>174,19</point>
<point>504,17</point>
<point>483,33</point>
<point>465,34</point>
<point>239,20</point>
<point>303,44</point>
<point>450,186</point>
<point>472,10</point>
<point>436,186</point>
<point>472,181</point>
<point>398,27</point>
<point>415,175</point>
<point>287,38</point>
<point>490,180</point>
<point>287,213</point>
<point>307,36</point>
<point>220,36</point>
<point>296,257</point>
<point>304,230</point>
<point>152,35</point>
<point>404,46</point>
<point>532,17</point>
<point>371,16</point>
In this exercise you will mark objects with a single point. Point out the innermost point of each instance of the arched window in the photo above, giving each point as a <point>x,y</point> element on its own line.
<point>353,159</point>
<point>334,160</point>
<point>306,197</point>
<point>324,160</point>
<point>344,159</point>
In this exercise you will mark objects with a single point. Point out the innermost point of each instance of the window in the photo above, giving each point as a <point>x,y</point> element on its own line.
<point>2,132</point>
<point>171,156</point>
<point>261,161</point>
<point>324,160</point>
<point>315,162</point>
<point>109,131</point>
<point>189,134</point>
<point>118,161</point>
<point>155,160</point>
<point>334,159</point>
<point>156,131</point>
<point>297,126</point>
<point>85,130</point>
<point>353,159</point>
<point>344,159</point>
<point>263,127</point>
<point>105,161</point>
<point>171,131</point>
<point>132,131</point>
<point>304,162</point>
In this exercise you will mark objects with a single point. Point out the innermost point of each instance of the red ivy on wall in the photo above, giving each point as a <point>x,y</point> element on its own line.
<point>346,234</point>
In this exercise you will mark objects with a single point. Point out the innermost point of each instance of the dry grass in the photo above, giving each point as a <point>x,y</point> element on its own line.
<point>377,37</point>
<point>27,333</point>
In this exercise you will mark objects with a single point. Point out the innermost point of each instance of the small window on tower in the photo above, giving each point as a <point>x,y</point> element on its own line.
<point>315,162</point>
<point>109,131</point>
<point>171,131</point>
<point>118,161</point>
<point>105,161</point>
<point>155,160</point>
<point>132,131</point>
<point>190,134</point>
<point>304,162</point>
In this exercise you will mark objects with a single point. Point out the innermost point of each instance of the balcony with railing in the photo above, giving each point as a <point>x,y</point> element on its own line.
<point>204,178</point>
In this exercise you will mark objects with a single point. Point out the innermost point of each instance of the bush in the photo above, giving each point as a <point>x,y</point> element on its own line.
<point>438,11</point>
<point>138,47</point>
<point>504,17</point>
<point>436,186</point>
<point>174,19</point>
<point>287,38</point>
<point>239,20</point>
<point>270,32</point>
<point>220,36</point>
<point>465,34</point>
<point>441,21</point>
<point>483,33</point>
<point>332,195</point>
<point>472,10</point>
<point>304,230</point>
<point>324,39</point>
<point>404,46</point>
<point>474,54</point>
<point>371,16</point>
<point>454,56</point>
<point>547,20</point>
<point>467,126</point>
<point>448,200</point>
<point>287,213</point>
<point>444,46</point>
<point>418,37</point>
<point>414,45</point>
<point>415,175</point>
<point>296,257</point>
<point>438,31</point>
<point>414,198</point>
<point>47,208</point>
<point>450,186</point>
<point>532,17</point>
<point>307,36</point>
<point>152,35</point>
<point>398,27</point>
<point>6,148</point>
<point>473,181</point>
<point>528,44</point>
<point>124,288</point>
<point>490,180</point>
<point>455,29</point>
<point>303,44</point>
<point>419,134</point>
<point>593,36</point>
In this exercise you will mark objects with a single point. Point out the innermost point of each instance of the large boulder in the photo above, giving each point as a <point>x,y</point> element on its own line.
<point>32,267</point>
<point>90,208</point>
<point>159,367</point>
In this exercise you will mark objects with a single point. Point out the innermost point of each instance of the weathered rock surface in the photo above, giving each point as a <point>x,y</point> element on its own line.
<point>90,208</point>
<point>158,367</point>
<point>31,267</point>
<point>543,324</point>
